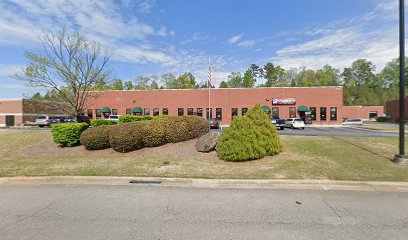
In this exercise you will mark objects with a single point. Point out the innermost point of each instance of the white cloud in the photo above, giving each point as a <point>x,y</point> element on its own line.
<point>247,43</point>
<point>7,70</point>
<point>235,39</point>
<point>373,36</point>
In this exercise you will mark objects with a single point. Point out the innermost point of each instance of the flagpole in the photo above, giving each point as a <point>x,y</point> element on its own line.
<point>209,93</point>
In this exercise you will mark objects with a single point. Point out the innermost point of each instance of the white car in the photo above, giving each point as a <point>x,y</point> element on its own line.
<point>354,121</point>
<point>113,118</point>
<point>295,123</point>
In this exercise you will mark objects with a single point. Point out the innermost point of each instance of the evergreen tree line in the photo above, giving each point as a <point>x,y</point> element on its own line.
<point>362,86</point>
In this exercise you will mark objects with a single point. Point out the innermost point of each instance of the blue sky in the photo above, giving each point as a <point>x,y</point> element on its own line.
<point>152,37</point>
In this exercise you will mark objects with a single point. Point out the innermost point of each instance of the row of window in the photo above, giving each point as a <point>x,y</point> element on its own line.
<point>218,112</point>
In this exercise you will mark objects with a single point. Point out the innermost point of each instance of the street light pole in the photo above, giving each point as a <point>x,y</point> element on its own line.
<point>401,158</point>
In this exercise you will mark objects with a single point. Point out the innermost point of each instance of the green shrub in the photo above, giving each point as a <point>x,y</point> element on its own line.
<point>239,141</point>
<point>67,134</point>
<point>133,118</point>
<point>100,122</point>
<point>249,137</point>
<point>176,129</point>
<point>197,126</point>
<point>269,139</point>
<point>154,133</point>
<point>96,138</point>
<point>126,137</point>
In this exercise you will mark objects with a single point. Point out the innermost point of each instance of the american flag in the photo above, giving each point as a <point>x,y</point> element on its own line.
<point>209,77</point>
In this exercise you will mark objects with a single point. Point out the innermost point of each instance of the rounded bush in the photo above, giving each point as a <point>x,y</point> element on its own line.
<point>67,134</point>
<point>197,126</point>
<point>175,128</point>
<point>96,138</point>
<point>126,137</point>
<point>154,133</point>
<point>252,136</point>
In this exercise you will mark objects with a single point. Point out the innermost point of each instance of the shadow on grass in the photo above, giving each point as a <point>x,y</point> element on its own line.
<point>364,148</point>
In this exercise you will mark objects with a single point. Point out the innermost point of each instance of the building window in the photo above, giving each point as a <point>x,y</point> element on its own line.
<point>275,113</point>
<point>209,112</point>
<point>114,111</point>
<point>323,113</point>
<point>373,114</point>
<point>165,111</point>
<point>98,113</point>
<point>218,114</point>
<point>89,113</point>
<point>313,113</point>
<point>199,112</point>
<point>156,112</point>
<point>292,112</point>
<point>146,111</point>
<point>234,112</point>
<point>333,114</point>
<point>244,110</point>
<point>181,111</point>
<point>190,111</point>
<point>128,111</point>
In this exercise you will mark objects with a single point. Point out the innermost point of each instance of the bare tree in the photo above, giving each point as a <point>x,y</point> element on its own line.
<point>68,65</point>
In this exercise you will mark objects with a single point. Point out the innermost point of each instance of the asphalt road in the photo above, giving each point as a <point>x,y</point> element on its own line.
<point>150,212</point>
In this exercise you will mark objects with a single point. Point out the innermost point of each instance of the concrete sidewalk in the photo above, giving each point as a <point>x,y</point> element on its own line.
<point>210,183</point>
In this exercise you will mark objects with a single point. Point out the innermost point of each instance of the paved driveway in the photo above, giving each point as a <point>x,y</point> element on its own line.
<point>137,212</point>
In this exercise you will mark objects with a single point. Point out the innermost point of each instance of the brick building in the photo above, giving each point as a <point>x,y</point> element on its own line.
<point>15,112</point>
<point>392,108</point>
<point>324,103</point>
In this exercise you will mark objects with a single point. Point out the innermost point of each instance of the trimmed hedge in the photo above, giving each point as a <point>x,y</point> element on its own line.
<point>67,134</point>
<point>126,137</point>
<point>100,122</point>
<point>196,126</point>
<point>96,138</point>
<point>252,136</point>
<point>176,129</point>
<point>133,118</point>
<point>154,133</point>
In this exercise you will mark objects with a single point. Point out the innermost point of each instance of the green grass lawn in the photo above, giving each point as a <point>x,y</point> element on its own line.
<point>30,153</point>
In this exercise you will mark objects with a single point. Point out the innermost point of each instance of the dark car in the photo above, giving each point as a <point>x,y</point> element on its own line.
<point>279,123</point>
<point>214,123</point>
<point>56,119</point>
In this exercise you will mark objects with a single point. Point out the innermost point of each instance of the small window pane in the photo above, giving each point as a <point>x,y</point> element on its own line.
<point>199,112</point>
<point>156,112</point>
<point>275,112</point>
<point>98,113</point>
<point>114,111</point>
<point>190,111</point>
<point>89,113</point>
<point>218,114</point>
<point>165,111</point>
<point>181,111</point>
<point>146,111</point>
<point>323,113</point>
<point>234,112</point>
<point>313,113</point>
<point>209,111</point>
<point>128,111</point>
<point>333,114</point>
<point>244,110</point>
<point>292,112</point>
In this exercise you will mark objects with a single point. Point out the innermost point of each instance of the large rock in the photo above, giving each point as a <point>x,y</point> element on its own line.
<point>207,142</point>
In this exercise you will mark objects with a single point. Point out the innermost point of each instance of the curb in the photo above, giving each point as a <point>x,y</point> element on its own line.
<point>209,183</point>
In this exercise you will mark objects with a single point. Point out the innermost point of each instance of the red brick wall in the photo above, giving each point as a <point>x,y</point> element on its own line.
<point>221,98</point>
<point>11,107</point>
<point>362,112</point>
<point>392,108</point>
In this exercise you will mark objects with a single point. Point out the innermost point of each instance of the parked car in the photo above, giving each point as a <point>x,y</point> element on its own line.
<point>295,123</point>
<point>113,118</point>
<point>69,119</point>
<point>46,121</point>
<point>279,123</point>
<point>214,123</point>
<point>353,121</point>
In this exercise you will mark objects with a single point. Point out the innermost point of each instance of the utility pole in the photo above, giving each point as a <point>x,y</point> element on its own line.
<point>401,158</point>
